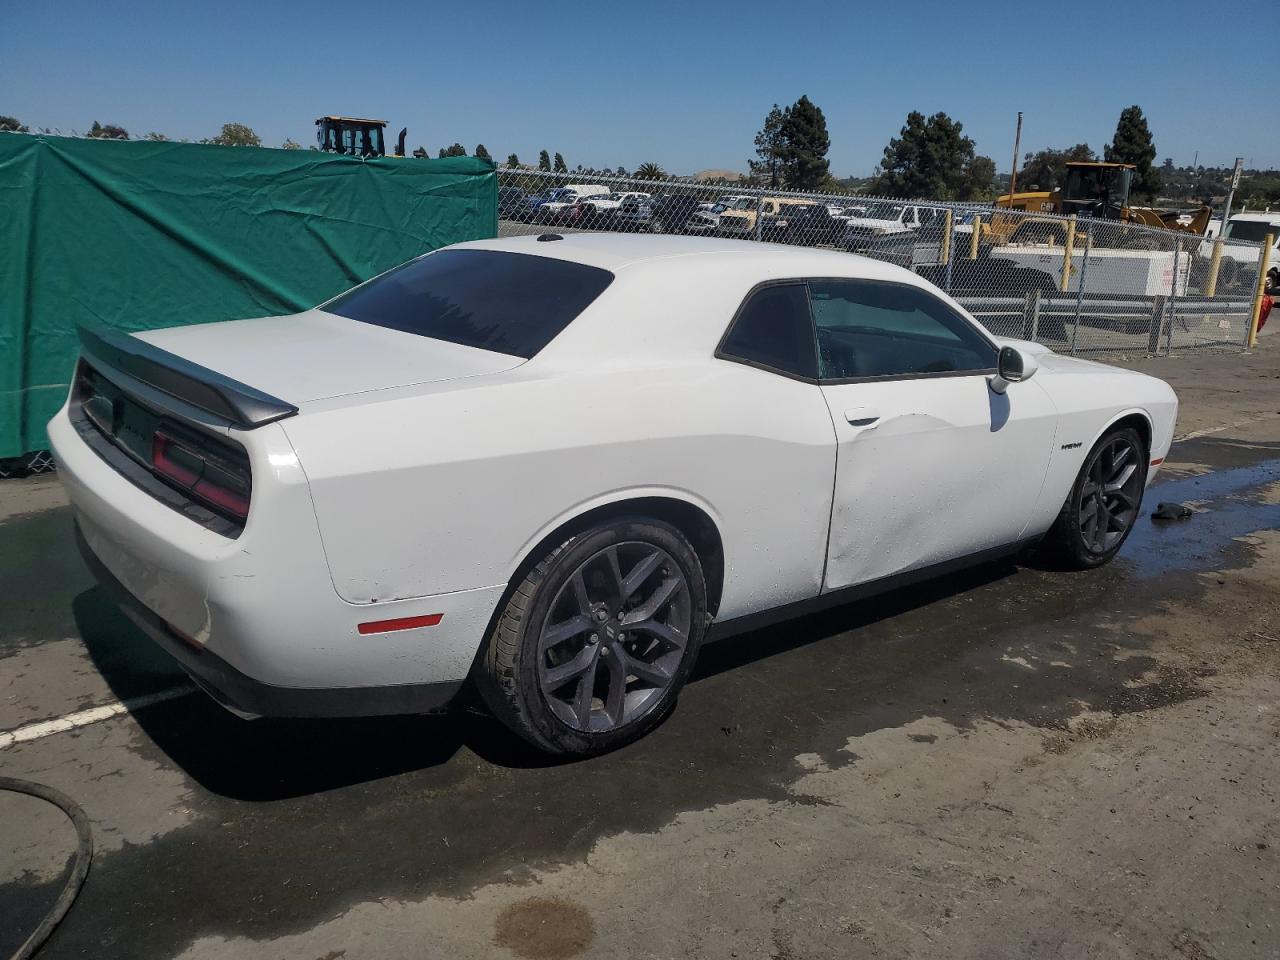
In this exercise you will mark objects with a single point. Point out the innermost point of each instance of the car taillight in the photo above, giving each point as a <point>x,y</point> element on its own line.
<point>186,465</point>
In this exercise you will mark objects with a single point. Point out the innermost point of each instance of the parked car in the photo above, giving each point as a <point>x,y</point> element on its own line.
<point>512,203</point>
<point>1240,262</point>
<point>808,224</point>
<point>740,219</point>
<point>724,201</point>
<point>884,218</point>
<point>550,210</point>
<point>665,213</point>
<point>532,208</point>
<point>706,219</point>
<point>354,509</point>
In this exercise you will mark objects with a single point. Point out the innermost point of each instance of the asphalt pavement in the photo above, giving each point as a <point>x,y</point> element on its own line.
<point>1011,762</point>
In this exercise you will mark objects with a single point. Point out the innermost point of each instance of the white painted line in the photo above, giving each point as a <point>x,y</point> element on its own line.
<point>82,718</point>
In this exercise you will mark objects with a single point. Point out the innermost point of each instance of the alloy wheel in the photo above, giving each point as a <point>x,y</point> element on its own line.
<point>614,637</point>
<point>1110,495</point>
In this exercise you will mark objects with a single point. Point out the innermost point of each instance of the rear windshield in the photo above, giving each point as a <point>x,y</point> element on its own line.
<point>512,303</point>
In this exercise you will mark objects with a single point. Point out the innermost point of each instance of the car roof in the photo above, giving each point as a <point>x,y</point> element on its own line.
<point>1264,216</point>
<point>623,251</point>
<point>672,297</point>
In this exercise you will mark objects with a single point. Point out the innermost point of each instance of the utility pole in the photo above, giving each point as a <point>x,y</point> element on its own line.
<point>1231,195</point>
<point>1017,142</point>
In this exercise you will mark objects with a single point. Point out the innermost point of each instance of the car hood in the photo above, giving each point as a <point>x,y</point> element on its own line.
<point>317,355</point>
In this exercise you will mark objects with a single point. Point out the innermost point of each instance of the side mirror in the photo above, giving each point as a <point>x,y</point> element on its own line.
<point>1014,366</point>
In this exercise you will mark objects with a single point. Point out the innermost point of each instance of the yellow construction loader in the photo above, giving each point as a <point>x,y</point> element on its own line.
<point>1092,189</point>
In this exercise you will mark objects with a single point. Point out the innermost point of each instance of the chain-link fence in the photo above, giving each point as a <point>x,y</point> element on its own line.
<point>1080,286</point>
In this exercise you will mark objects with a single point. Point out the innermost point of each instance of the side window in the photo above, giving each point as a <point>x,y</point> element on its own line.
<point>873,329</point>
<point>773,329</point>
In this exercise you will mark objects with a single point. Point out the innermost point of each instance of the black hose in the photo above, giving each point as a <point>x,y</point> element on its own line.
<point>84,856</point>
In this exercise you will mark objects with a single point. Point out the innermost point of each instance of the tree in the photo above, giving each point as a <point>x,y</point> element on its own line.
<point>155,137</point>
<point>236,135</point>
<point>107,132</point>
<point>803,160</point>
<point>512,161</point>
<point>1047,169</point>
<point>290,144</point>
<point>544,161</point>
<point>482,154</point>
<point>649,171</point>
<point>560,166</point>
<point>979,180</point>
<point>11,125</point>
<point>1133,144</point>
<point>457,150</point>
<point>931,159</point>
<point>769,149</point>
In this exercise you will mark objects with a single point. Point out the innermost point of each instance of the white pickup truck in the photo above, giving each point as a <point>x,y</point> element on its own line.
<point>1253,227</point>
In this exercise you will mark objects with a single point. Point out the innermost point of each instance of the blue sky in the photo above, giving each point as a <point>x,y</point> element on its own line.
<point>682,84</point>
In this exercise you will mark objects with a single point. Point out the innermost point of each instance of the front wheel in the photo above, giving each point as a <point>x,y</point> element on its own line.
<point>1104,502</point>
<point>593,646</point>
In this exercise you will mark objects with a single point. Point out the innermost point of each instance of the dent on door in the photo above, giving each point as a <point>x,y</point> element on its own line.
<point>932,470</point>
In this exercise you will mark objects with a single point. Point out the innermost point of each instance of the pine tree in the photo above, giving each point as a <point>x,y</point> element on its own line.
<point>769,149</point>
<point>544,161</point>
<point>560,166</point>
<point>482,154</point>
<point>513,161</point>
<point>1133,144</point>
<point>930,159</point>
<point>803,159</point>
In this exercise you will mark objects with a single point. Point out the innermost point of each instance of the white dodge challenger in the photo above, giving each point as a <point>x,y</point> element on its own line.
<point>555,465</point>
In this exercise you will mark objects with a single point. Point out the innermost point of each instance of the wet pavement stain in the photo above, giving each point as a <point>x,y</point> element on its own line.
<point>544,928</point>
<point>1228,505</point>
<point>349,811</point>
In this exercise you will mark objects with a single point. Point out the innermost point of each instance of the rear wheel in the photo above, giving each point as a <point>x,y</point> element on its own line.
<point>1104,502</point>
<point>593,646</point>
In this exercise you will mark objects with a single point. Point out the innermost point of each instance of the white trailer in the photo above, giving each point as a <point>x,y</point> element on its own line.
<point>1117,272</point>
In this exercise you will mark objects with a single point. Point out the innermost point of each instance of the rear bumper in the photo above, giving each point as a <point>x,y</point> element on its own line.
<point>243,694</point>
<point>256,619</point>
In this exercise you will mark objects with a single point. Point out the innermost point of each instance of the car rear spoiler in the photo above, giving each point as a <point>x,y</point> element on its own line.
<point>199,386</point>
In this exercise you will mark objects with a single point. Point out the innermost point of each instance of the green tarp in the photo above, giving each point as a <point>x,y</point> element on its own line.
<point>137,235</point>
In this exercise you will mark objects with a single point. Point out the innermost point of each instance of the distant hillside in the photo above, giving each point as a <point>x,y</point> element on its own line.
<point>724,176</point>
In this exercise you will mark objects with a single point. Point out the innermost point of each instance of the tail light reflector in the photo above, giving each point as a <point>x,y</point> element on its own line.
<point>186,465</point>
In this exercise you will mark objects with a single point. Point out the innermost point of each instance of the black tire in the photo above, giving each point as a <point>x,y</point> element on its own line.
<point>1067,541</point>
<point>508,674</point>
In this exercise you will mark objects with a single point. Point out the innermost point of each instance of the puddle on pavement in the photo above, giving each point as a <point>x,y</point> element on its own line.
<point>1230,504</point>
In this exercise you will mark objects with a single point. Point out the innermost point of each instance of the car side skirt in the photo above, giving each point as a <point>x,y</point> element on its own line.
<point>861,591</point>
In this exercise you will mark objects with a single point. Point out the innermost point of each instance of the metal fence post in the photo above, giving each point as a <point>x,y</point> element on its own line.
<point>975,238</point>
<point>1157,318</point>
<point>759,231</point>
<point>1173,297</point>
<point>945,253</point>
<point>1215,265</point>
<point>1068,248</point>
<point>1084,271</point>
<point>1031,316</point>
<point>1264,264</point>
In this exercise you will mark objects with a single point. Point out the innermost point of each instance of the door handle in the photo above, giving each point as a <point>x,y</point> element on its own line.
<point>864,417</point>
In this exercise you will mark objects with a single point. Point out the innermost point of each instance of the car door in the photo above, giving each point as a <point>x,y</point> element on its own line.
<point>931,464</point>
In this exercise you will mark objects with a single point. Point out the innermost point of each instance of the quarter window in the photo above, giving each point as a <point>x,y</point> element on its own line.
<point>773,330</point>
<point>872,329</point>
